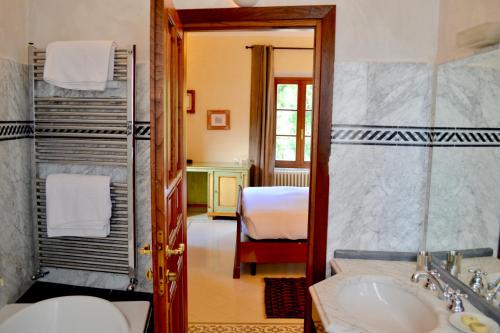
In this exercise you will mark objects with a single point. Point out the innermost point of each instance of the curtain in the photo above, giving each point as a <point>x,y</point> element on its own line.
<point>262,117</point>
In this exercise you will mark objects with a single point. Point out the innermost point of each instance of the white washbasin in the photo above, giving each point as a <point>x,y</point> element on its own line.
<point>386,307</point>
<point>75,314</point>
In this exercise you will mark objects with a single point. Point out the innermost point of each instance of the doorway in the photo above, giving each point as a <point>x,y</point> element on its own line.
<point>219,78</point>
<point>322,20</point>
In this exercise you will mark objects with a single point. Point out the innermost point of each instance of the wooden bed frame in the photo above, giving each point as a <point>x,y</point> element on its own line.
<point>267,251</point>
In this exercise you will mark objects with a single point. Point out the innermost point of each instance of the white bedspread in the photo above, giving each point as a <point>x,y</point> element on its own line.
<point>278,212</point>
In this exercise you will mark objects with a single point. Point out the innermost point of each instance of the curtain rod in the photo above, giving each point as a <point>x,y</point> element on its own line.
<point>285,48</point>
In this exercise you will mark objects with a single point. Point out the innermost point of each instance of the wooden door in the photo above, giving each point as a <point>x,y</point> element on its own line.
<point>168,173</point>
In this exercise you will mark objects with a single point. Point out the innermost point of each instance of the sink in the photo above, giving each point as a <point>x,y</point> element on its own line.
<point>385,306</point>
<point>75,314</point>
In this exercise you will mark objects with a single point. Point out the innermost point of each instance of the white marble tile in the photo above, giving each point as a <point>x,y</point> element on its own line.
<point>463,209</point>
<point>468,92</point>
<point>16,242</point>
<point>142,92</point>
<point>399,94</point>
<point>13,91</point>
<point>350,93</point>
<point>377,198</point>
<point>143,211</point>
<point>87,279</point>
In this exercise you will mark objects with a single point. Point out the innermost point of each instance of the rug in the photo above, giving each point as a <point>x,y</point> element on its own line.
<point>244,328</point>
<point>285,297</point>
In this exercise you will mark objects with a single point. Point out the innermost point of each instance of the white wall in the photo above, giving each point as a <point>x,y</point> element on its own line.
<point>125,21</point>
<point>219,70</point>
<point>370,30</point>
<point>458,15</point>
<point>13,43</point>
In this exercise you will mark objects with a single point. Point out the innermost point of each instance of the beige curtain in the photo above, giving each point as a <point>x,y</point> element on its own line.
<point>262,117</point>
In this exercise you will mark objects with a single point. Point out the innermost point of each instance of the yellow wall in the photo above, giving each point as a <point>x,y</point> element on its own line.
<point>458,15</point>
<point>218,69</point>
<point>13,44</point>
<point>370,30</point>
<point>124,21</point>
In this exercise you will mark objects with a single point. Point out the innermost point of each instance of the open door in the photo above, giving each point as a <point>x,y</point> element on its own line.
<point>168,170</point>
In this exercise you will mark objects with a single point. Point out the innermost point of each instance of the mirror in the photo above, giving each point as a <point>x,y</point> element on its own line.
<point>464,202</point>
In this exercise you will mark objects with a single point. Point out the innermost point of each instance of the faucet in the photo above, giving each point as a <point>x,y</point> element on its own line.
<point>453,298</point>
<point>492,292</point>
<point>432,283</point>
<point>476,283</point>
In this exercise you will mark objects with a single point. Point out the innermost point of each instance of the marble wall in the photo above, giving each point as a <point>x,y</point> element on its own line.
<point>378,178</point>
<point>16,243</point>
<point>465,183</point>
<point>410,170</point>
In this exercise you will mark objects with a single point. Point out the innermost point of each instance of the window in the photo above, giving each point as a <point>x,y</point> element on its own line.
<point>294,101</point>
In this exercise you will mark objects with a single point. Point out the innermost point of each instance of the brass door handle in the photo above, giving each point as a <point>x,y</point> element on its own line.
<point>146,250</point>
<point>171,276</point>
<point>177,252</point>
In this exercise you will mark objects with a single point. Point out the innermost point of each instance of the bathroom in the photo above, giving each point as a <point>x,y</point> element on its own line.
<point>398,69</point>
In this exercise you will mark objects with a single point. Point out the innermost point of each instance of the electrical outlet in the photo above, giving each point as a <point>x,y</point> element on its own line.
<point>2,283</point>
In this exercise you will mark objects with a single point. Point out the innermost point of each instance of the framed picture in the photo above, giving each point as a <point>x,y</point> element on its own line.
<point>218,120</point>
<point>190,101</point>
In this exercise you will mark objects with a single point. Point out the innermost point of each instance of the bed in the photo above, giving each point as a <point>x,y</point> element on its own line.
<point>271,226</point>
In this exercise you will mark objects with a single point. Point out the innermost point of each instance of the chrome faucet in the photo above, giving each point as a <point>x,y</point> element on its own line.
<point>476,283</point>
<point>456,303</point>
<point>492,292</point>
<point>432,283</point>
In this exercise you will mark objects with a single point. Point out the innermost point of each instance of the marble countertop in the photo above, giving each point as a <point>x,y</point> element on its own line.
<point>335,320</point>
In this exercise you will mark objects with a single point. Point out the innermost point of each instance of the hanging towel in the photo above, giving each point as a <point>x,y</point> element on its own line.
<point>78,205</point>
<point>80,65</point>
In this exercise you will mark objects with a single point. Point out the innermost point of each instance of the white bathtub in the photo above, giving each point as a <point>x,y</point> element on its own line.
<point>75,314</point>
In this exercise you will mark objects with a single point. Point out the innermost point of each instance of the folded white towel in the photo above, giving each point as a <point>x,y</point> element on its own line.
<point>78,205</point>
<point>80,65</point>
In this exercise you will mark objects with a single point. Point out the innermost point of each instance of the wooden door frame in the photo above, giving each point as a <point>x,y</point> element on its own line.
<point>320,18</point>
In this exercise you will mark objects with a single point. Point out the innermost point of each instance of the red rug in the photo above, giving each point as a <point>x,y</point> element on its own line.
<point>285,297</point>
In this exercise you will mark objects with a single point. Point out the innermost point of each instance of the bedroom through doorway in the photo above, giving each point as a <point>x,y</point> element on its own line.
<point>248,132</point>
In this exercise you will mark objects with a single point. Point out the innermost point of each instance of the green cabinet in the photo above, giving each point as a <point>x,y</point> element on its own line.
<point>222,183</point>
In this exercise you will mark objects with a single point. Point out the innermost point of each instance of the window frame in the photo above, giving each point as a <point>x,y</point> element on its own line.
<point>300,135</point>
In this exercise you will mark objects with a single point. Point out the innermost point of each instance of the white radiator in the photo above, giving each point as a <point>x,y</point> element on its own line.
<point>291,177</point>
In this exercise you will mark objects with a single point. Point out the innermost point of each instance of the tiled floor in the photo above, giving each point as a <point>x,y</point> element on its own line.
<point>214,296</point>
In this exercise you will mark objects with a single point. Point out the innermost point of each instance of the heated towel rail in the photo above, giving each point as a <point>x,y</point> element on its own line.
<point>91,132</point>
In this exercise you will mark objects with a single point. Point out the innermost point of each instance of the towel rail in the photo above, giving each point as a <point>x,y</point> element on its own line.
<point>120,72</point>
<point>86,129</point>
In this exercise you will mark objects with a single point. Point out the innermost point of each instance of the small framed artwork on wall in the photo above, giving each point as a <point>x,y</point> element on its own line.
<point>190,101</point>
<point>218,120</point>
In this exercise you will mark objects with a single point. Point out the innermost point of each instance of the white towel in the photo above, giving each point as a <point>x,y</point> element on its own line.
<point>80,65</point>
<point>78,205</point>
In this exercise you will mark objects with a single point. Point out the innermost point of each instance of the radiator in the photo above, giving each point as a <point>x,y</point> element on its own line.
<point>291,177</point>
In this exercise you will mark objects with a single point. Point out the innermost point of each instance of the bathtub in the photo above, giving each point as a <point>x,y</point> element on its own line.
<point>76,314</point>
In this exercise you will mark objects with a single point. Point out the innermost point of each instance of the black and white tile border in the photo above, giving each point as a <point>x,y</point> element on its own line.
<point>415,136</point>
<point>142,130</point>
<point>13,130</point>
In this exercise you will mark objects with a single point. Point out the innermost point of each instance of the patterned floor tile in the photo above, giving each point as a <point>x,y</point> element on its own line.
<point>244,328</point>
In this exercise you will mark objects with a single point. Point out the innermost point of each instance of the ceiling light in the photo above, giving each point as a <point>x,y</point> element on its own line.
<point>245,3</point>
